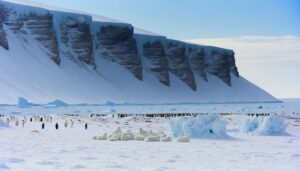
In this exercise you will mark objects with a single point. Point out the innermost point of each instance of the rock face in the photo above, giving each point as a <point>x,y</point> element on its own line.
<point>154,52</point>
<point>231,60</point>
<point>179,64</point>
<point>219,65</point>
<point>3,40</point>
<point>196,56</point>
<point>76,37</point>
<point>3,17</point>
<point>38,26</point>
<point>117,44</point>
<point>80,39</point>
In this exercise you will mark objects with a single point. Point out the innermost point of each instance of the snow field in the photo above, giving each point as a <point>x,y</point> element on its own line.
<point>73,148</point>
<point>3,124</point>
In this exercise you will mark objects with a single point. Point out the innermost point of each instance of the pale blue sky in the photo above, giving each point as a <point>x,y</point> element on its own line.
<point>265,34</point>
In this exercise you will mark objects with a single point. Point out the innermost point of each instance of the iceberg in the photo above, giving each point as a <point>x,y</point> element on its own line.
<point>266,126</point>
<point>206,126</point>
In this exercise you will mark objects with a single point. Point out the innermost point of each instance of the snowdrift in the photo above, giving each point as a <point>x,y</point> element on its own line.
<point>206,126</point>
<point>267,126</point>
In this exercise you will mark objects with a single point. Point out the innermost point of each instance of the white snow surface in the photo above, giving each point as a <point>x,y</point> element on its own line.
<point>287,107</point>
<point>74,149</point>
<point>3,124</point>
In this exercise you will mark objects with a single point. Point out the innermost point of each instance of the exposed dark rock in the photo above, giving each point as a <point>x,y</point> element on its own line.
<point>3,16</point>
<point>76,36</point>
<point>154,52</point>
<point>219,65</point>
<point>197,61</point>
<point>40,26</point>
<point>117,44</point>
<point>233,69</point>
<point>179,64</point>
<point>3,39</point>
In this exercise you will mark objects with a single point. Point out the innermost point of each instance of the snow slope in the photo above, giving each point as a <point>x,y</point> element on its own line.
<point>27,71</point>
<point>38,79</point>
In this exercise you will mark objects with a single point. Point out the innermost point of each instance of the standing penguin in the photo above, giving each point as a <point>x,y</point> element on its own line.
<point>72,123</point>
<point>66,124</point>
<point>23,123</point>
<point>43,126</point>
<point>17,122</point>
<point>31,119</point>
<point>41,119</point>
<point>86,126</point>
<point>56,126</point>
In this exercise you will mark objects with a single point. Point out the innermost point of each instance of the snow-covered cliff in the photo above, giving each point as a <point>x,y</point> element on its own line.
<point>49,54</point>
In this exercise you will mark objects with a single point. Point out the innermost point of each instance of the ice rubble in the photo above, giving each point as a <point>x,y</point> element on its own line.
<point>206,126</point>
<point>271,125</point>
